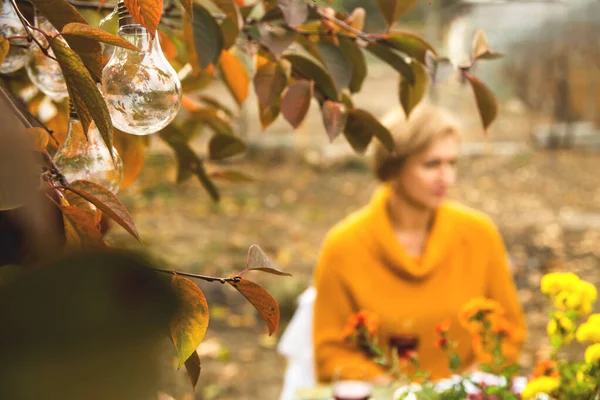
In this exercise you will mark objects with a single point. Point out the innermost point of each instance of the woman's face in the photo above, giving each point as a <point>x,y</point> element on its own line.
<point>426,177</point>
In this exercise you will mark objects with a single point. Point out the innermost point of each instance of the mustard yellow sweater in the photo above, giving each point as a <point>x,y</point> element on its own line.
<point>363,266</point>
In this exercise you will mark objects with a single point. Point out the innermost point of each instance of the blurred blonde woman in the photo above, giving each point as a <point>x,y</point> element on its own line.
<point>410,255</point>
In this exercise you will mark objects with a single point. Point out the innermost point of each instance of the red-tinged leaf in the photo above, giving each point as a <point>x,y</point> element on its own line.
<point>146,13</point>
<point>235,76</point>
<point>188,6</point>
<point>81,231</point>
<point>334,118</point>
<point>268,114</point>
<point>296,102</point>
<point>337,64</point>
<point>306,68</point>
<point>83,92</point>
<point>392,10</point>
<point>411,44</point>
<point>261,300</point>
<point>61,13</point>
<point>295,12</point>
<point>190,322</point>
<point>269,82</point>
<point>106,201</point>
<point>411,94</point>
<point>357,132</point>
<point>232,176</point>
<point>132,149</point>
<point>486,101</point>
<point>208,38</point>
<point>224,146</point>
<point>4,47</point>
<point>90,32</point>
<point>276,38</point>
<point>357,61</point>
<point>193,367</point>
<point>257,260</point>
<point>38,138</point>
<point>77,201</point>
<point>393,59</point>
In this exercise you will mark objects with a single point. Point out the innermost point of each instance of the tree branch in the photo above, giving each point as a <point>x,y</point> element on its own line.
<point>234,279</point>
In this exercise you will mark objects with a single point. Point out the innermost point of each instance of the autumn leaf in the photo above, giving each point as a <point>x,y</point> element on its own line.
<point>269,82</point>
<point>188,6</point>
<point>208,38</point>
<point>235,76</point>
<point>232,176</point>
<point>295,12</point>
<point>190,322</point>
<point>81,231</point>
<point>257,260</point>
<point>355,132</point>
<point>306,68</point>
<point>365,121</point>
<point>336,63</point>
<point>146,13</point>
<point>230,26</point>
<point>264,303</point>
<point>106,201</point>
<point>393,59</point>
<point>296,102</point>
<point>412,94</point>
<point>83,92</point>
<point>132,149</point>
<point>4,47</point>
<point>358,64</point>
<point>193,367</point>
<point>224,146</point>
<point>486,102</point>
<point>481,48</point>
<point>410,44</point>
<point>392,10</point>
<point>90,32</point>
<point>38,138</point>
<point>334,118</point>
<point>277,38</point>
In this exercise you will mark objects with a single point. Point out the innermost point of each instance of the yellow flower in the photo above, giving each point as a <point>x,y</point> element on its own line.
<point>544,384</point>
<point>592,354</point>
<point>580,376</point>
<point>556,282</point>
<point>590,330</point>
<point>561,325</point>
<point>589,291</point>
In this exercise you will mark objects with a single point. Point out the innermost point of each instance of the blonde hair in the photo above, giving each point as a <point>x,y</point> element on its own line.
<point>411,136</point>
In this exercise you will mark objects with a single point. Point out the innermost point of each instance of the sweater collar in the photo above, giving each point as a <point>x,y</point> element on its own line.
<point>439,241</point>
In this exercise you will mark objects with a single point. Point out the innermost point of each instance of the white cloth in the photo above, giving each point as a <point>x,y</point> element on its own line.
<point>296,345</point>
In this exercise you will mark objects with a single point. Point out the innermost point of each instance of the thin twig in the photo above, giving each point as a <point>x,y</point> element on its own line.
<point>54,169</point>
<point>234,279</point>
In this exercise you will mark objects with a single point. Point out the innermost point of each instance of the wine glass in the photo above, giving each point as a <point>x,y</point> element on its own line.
<point>405,341</point>
<point>351,382</point>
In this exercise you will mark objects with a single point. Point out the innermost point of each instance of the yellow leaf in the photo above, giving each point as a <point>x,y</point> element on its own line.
<point>146,12</point>
<point>235,76</point>
<point>412,94</point>
<point>188,5</point>
<point>4,47</point>
<point>392,10</point>
<point>190,322</point>
<point>486,101</point>
<point>90,32</point>
<point>132,149</point>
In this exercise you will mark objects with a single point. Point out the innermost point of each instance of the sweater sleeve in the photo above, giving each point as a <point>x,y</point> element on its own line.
<point>501,287</point>
<point>333,307</point>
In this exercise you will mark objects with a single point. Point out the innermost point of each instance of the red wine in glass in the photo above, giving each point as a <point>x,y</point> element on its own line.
<point>352,390</point>
<point>405,344</point>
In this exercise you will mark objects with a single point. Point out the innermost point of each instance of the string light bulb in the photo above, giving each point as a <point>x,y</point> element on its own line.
<point>81,158</point>
<point>11,26</point>
<point>43,71</point>
<point>141,89</point>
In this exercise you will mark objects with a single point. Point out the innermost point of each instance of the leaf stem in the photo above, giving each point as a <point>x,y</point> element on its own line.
<point>234,279</point>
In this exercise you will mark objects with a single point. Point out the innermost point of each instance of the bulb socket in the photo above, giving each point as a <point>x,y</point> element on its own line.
<point>125,17</point>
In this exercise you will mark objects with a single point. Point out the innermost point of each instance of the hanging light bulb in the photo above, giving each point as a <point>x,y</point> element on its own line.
<point>141,89</point>
<point>10,25</point>
<point>44,72</point>
<point>88,158</point>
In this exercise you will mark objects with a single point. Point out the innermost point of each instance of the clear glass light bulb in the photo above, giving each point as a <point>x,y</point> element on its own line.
<point>141,89</point>
<point>18,53</point>
<point>88,159</point>
<point>44,72</point>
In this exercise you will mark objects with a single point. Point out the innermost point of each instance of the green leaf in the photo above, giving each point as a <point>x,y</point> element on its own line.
<point>235,76</point>
<point>208,38</point>
<point>193,367</point>
<point>264,303</point>
<point>486,101</point>
<point>334,118</point>
<point>392,10</point>
<point>306,68</point>
<point>190,322</point>
<point>393,59</point>
<point>4,47</point>
<point>257,260</point>
<point>90,32</point>
<point>337,64</point>
<point>411,94</point>
<point>310,47</point>
<point>224,146</point>
<point>355,132</point>
<point>357,61</point>
<point>277,38</point>
<point>84,93</point>
<point>59,13</point>
<point>296,102</point>
<point>369,123</point>
<point>295,12</point>
<point>146,13</point>
<point>410,44</point>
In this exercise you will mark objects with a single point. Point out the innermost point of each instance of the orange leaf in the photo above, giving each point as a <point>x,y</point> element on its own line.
<point>188,5</point>
<point>261,300</point>
<point>4,47</point>
<point>38,137</point>
<point>235,76</point>
<point>132,149</point>
<point>189,324</point>
<point>168,47</point>
<point>81,231</point>
<point>232,176</point>
<point>193,368</point>
<point>486,102</point>
<point>296,102</point>
<point>90,32</point>
<point>106,201</point>
<point>146,13</point>
<point>392,10</point>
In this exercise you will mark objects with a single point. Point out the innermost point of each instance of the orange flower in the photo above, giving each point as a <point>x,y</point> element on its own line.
<point>443,327</point>
<point>546,368</point>
<point>477,311</point>
<point>361,321</point>
<point>502,327</point>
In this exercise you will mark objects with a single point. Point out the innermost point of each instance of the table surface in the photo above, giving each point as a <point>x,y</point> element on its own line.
<point>323,392</point>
